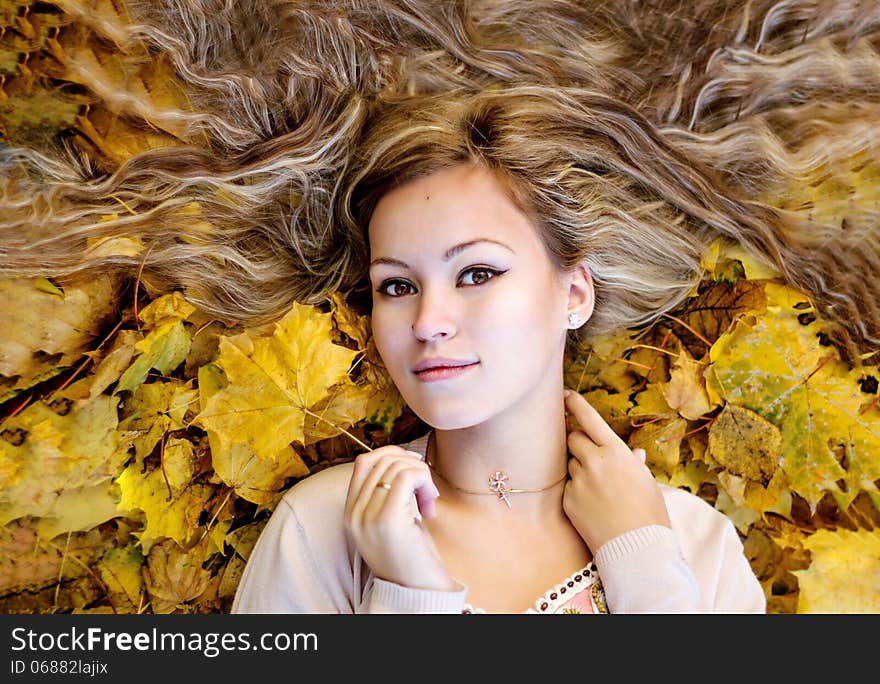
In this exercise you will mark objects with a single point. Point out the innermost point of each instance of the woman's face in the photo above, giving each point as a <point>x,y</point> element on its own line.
<point>459,272</point>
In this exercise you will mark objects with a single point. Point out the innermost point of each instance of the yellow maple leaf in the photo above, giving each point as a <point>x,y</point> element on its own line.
<point>152,410</point>
<point>59,448</point>
<point>686,390</point>
<point>242,539</point>
<point>601,361</point>
<point>167,513</point>
<point>169,308</point>
<point>273,382</point>
<point>44,332</point>
<point>253,478</point>
<point>79,509</point>
<point>346,405</point>
<point>844,575</point>
<point>120,569</point>
<point>651,402</point>
<point>355,326</point>
<point>612,406</point>
<point>661,442</point>
<point>778,369</point>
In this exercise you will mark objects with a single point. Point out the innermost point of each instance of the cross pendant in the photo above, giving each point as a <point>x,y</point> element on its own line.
<point>498,485</point>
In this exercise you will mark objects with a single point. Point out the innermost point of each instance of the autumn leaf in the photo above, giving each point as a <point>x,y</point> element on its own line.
<point>244,538</point>
<point>274,382</point>
<point>661,442</point>
<point>151,411</point>
<point>709,314</point>
<point>602,362</point>
<point>113,363</point>
<point>46,332</point>
<point>29,562</point>
<point>724,250</point>
<point>253,478</point>
<point>612,406</point>
<point>174,575</point>
<point>384,403</point>
<point>354,326</point>
<point>745,443</point>
<point>64,453</point>
<point>844,573</point>
<point>120,570</point>
<point>651,403</point>
<point>686,390</point>
<point>775,497</point>
<point>778,369</point>
<point>167,512</point>
<point>166,345</point>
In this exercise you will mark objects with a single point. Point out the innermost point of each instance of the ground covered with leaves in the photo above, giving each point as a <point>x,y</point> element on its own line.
<point>143,445</point>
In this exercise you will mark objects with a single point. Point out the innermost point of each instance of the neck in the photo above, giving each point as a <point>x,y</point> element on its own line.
<point>464,462</point>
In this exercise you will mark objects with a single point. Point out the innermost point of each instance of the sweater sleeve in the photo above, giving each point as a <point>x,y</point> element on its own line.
<point>696,566</point>
<point>738,589</point>
<point>643,571</point>
<point>281,576</point>
<point>388,597</point>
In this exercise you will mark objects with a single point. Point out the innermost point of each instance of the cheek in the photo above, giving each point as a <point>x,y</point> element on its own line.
<point>386,333</point>
<point>521,313</point>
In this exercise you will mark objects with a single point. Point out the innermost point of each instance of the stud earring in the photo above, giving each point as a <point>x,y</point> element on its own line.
<point>574,320</point>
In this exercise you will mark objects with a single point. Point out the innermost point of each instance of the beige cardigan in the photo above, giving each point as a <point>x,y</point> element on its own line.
<point>304,562</point>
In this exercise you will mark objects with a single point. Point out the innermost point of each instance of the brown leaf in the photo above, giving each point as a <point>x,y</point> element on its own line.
<point>714,309</point>
<point>745,443</point>
<point>174,576</point>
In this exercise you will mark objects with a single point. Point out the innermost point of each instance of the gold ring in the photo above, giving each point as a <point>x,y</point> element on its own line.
<point>384,485</point>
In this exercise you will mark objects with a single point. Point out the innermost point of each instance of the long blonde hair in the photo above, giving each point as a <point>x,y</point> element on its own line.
<point>632,134</point>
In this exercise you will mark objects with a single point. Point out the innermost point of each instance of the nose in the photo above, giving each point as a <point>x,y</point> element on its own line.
<point>434,318</point>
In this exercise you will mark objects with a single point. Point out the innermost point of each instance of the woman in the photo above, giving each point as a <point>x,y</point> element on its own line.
<point>465,273</point>
<point>308,129</point>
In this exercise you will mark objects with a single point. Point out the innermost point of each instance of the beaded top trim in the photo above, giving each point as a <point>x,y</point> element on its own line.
<point>584,581</point>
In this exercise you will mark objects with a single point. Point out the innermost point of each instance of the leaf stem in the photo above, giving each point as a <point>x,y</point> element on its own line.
<point>342,430</point>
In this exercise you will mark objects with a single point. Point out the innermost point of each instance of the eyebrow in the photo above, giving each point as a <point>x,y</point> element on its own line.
<point>451,252</point>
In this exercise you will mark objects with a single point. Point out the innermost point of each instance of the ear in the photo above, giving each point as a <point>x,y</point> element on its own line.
<point>581,292</point>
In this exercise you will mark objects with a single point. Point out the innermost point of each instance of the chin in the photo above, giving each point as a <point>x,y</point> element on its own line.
<point>445,414</point>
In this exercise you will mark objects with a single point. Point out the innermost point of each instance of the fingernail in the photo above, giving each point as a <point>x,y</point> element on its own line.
<point>566,393</point>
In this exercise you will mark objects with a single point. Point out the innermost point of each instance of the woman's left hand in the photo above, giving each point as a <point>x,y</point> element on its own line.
<point>610,490</point>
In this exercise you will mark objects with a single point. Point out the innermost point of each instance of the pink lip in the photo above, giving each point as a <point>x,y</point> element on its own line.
<point>443,373</point>
<point>439,362</point>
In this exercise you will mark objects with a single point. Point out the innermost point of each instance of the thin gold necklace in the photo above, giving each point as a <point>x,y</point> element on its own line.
<point>497,481</point>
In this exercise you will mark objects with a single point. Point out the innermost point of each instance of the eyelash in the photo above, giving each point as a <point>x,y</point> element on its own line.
<point>495,273</point>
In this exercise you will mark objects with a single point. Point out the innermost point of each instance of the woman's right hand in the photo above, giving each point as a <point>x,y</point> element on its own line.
<point>382,520</point>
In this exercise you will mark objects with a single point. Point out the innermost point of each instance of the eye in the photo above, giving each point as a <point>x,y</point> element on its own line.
<point>482,270</point>
<point>382,289</point>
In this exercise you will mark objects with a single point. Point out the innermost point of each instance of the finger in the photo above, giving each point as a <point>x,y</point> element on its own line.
<point>425,492</point>
<point>581,447</point>
<point>374,492</point>
<point>412,480</point>
<point>641,454</point>
<point>363,464</point>
<point>591,422</point>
